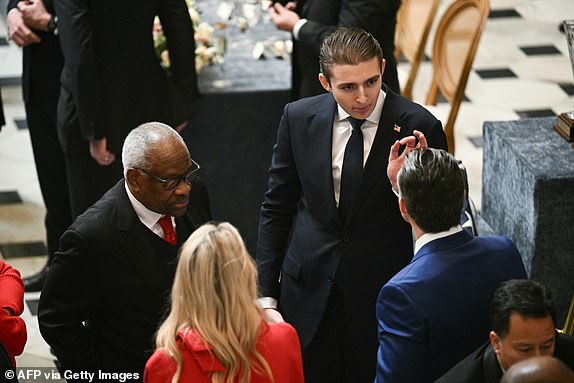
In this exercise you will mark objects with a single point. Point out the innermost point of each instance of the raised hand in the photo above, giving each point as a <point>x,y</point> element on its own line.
<point>396,161</point>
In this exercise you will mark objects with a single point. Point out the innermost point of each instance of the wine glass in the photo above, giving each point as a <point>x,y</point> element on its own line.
<point>220,43</point>
<point>252,10</point>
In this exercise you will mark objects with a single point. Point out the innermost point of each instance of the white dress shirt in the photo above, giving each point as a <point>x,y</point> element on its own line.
<point>342,130</point>
<point>147,217</point>
<point>429,237</point>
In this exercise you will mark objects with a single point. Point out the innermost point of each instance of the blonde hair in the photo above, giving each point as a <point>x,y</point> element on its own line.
<point>214,293</point>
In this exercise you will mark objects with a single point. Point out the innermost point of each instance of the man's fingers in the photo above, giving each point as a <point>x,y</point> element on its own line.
<point>394,152</point>
<point>408,141</point>
<point>422,139</point>
<point>33,38</point>
<point>24,37</point>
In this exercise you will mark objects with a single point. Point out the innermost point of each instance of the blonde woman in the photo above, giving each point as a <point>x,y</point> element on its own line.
<point>215,333</point>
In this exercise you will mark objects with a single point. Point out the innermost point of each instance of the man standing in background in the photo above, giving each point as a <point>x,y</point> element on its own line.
<point>112,82</point>
<point>310,21</point>
<point>33,26</point>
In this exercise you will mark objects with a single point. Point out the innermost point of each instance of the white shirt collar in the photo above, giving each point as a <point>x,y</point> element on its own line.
<point>148,217</point>
<point>373,117</point>
<point>429,237</point>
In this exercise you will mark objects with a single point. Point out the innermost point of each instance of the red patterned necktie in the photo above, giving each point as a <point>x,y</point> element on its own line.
<point>168,232</point>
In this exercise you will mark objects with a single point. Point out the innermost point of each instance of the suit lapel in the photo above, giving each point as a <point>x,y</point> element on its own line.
<point>138,250</point>
<point>320,136</point>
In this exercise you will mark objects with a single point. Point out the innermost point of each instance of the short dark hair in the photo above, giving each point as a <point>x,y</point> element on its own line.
<point>525,297</point>
<point>348,45</point>
<point>431,185</point>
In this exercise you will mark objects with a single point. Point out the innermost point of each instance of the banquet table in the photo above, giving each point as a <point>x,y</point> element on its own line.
<point>232,130</point>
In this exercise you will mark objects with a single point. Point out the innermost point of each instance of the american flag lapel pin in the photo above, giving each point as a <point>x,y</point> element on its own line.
<point>397,128</point>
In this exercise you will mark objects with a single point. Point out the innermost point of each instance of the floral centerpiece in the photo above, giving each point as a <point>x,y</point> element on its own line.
<point>204,50</point>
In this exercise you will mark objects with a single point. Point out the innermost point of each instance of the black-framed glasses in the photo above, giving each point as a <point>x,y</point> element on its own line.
<point>172,183</point>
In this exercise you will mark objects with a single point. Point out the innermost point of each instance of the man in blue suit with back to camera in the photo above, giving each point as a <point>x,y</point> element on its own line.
<point>435,311</point>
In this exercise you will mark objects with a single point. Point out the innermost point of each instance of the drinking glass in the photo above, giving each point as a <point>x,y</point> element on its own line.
<point>220,43</point>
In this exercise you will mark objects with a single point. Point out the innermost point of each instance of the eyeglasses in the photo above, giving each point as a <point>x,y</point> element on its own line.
<point>172,183</point>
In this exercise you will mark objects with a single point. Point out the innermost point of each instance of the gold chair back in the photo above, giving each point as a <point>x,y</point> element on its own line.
<point>454,47</point>
<point>414,22</point>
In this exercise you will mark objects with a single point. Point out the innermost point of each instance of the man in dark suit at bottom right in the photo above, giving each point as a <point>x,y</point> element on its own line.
<point>523,325</point>
<point>435,310</point>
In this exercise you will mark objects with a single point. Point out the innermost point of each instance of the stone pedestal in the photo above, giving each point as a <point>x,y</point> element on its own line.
<point>528,195</point>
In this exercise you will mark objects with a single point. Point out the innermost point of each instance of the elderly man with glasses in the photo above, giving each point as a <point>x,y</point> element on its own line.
<point>109,283</point>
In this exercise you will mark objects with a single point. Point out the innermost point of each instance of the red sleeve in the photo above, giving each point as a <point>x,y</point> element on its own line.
<point>296,358</point>
<point>284,355</point>
<point>11,289</point>
<point>159,368</point>
<point>13,335</point>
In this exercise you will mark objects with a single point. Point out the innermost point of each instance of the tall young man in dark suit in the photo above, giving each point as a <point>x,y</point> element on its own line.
<point>112,82</point>
<point>310,21</point>
<point>523,325</point>
<point>435,311</point>
<point>108,286</point>
<point>328,240</point>
<point>33,26</point>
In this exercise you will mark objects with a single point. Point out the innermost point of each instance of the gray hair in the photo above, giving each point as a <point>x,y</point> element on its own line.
<point>135,152</point>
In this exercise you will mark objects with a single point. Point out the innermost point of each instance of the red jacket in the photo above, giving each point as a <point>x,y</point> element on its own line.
<point>12,328</point>
<point>278,343</point>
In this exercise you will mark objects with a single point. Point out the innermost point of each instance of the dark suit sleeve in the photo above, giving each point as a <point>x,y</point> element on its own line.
<point>11,4</point>
<point>200,208</point>
<point>402,354</point>
<point>277,211</point>
<point>49,5</point>
<point>178,29</point>
<point>77,41</point>
<point>364,14</point>
<point>436,137</point>
<point>69,295</point>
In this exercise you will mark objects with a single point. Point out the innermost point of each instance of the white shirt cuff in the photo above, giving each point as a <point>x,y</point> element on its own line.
<point>297,28</point>
<point>267,303</point>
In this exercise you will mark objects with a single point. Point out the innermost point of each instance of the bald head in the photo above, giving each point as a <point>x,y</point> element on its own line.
<point>539,369</point>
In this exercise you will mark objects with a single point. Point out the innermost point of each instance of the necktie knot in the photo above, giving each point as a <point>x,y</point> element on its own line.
<point>356,123</point>
<point>167,227</point>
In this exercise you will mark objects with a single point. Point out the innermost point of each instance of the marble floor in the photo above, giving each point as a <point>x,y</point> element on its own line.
<point>521,70</point>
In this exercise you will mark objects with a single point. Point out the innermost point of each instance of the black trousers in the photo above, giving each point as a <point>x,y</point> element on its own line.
<point>87,180</point>
<point>41,88</point>
<point>329,357</point>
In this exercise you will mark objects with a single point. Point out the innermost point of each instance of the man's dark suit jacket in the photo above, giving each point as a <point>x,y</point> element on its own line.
<point>107,275</point>
<point>435,311</point>
<point>482,366</point>
<point>377,17</point>
<point>42,65</point>
<point>301,235</point>
<point>112,82</point>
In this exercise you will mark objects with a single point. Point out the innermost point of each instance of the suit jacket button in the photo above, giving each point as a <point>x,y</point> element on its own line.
<point>329,278</point>
<point>346,238</point>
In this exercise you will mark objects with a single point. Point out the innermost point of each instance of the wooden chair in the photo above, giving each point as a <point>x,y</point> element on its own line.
<point>568,328</point>
<point>454,47</point>
<point>414,22</point>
